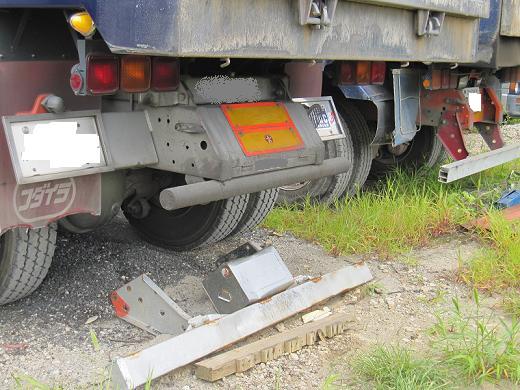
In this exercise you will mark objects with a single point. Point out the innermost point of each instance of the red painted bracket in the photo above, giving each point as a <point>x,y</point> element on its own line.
<point>120,306</point>
<point>37,107</point>
<point>449,110</point>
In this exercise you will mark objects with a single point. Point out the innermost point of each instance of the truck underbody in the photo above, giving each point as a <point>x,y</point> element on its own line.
<point>191,127</point>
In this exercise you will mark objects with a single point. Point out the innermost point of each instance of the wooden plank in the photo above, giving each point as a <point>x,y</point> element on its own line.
<point>243,358</point>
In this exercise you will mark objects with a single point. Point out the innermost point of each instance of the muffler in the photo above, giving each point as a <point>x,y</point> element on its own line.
<point>208,191</point>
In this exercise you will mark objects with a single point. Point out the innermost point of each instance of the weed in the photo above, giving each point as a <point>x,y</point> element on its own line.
<point>26,382</point>
<point>389,367</point>
<point>94,339</point>
<point>498,265</point>
<point>371,289</point>
<point>478,346</point>
<point>511,303</point>
<point>334,382</point>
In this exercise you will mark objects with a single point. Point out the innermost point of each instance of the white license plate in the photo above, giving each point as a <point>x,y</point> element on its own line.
<point>474,98</point>
<point>50,147</point>
<point>324,117</point>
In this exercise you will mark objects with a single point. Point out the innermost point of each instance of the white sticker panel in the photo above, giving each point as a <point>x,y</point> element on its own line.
<point>56,146</point>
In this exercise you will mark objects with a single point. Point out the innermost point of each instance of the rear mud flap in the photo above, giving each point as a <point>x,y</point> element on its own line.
<point>36,205</point>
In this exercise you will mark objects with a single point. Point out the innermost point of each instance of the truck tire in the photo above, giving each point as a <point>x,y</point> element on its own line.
<point>362,136</point>
<point>25,258</point>
<point>326,189</point>
<point>424,150</point>
<point>259,205</point>
<point>190,227</point>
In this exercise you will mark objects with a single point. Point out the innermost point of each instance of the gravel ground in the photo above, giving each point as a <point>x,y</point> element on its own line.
<point>45,335</point>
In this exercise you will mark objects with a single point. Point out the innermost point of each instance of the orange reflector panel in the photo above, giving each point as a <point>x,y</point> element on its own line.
<point>262,128</point>
<point>135,73</point>
<point>363,72</point>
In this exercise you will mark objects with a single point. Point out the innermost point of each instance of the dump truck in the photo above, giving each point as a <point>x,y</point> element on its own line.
<point>188,115</point>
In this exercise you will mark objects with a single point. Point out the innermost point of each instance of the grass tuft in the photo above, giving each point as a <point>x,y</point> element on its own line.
<point>482,348</point>
<point>497,266</point>
<point>390,367</point>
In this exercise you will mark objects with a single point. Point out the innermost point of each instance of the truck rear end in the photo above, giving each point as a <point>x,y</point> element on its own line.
<point>188,115</point>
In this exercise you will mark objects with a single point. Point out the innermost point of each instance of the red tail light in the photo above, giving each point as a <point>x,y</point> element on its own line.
<point>165,74</point>
<point>362,72</point>
<point>377,74</point>
<point>102,74</point>
<point>347,72</point>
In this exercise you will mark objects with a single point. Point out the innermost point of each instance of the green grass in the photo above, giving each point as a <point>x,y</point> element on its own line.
<point>403,212</point>
<point>480,347</point>
<point>391,367</point>
<point>408,210</point>
<point>468,348</point>
<point>497,266</point>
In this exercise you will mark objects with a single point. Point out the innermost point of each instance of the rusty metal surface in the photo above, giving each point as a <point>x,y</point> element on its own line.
<point>270,29</point>
<point>510,23</point>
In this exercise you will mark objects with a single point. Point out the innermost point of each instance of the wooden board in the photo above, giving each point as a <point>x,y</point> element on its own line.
<point>243,358</point>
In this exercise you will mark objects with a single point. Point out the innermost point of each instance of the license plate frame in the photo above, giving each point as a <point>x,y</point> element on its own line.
<point>89,123</point>
<point>328,126</point>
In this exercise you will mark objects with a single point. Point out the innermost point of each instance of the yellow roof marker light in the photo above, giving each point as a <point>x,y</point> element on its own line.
<point>82,22</point>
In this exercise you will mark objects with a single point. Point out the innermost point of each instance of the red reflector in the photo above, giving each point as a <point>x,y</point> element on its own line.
<point>75,81</point>
<point>377,73</point>
<point>165,74</point>
<point>102,74</point>
<point>347,72</point>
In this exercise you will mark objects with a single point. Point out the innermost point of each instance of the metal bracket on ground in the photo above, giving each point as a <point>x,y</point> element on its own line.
<point>152,362</point>
<point>143,304</point>
<point>239,282</point>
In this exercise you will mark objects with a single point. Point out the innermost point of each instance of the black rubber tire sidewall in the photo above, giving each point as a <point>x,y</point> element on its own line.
<point>192,227</point>
<point>425,150</point>
<point>361,136</point>
<point>25,259</point>
<point>259,205</point>
<point>325,189</point>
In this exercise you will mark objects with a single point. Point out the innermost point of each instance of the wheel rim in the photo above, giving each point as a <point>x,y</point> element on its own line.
<point>295,186</point>
<point>389,154</point>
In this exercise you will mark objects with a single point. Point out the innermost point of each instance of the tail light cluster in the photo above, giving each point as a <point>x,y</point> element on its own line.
<point>107,74</point>
<point>440,79</point>
<point>511,76</point>
<point>362,72</point>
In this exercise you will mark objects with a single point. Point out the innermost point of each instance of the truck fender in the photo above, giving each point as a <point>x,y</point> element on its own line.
<point>383,101</point>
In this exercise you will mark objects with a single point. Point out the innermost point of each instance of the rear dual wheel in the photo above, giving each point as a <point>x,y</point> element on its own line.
<point>200,225</point>
<point>355,147</point>
<point>424,150</point>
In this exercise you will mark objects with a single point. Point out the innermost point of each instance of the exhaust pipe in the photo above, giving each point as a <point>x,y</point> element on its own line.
<point>208,191</point>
